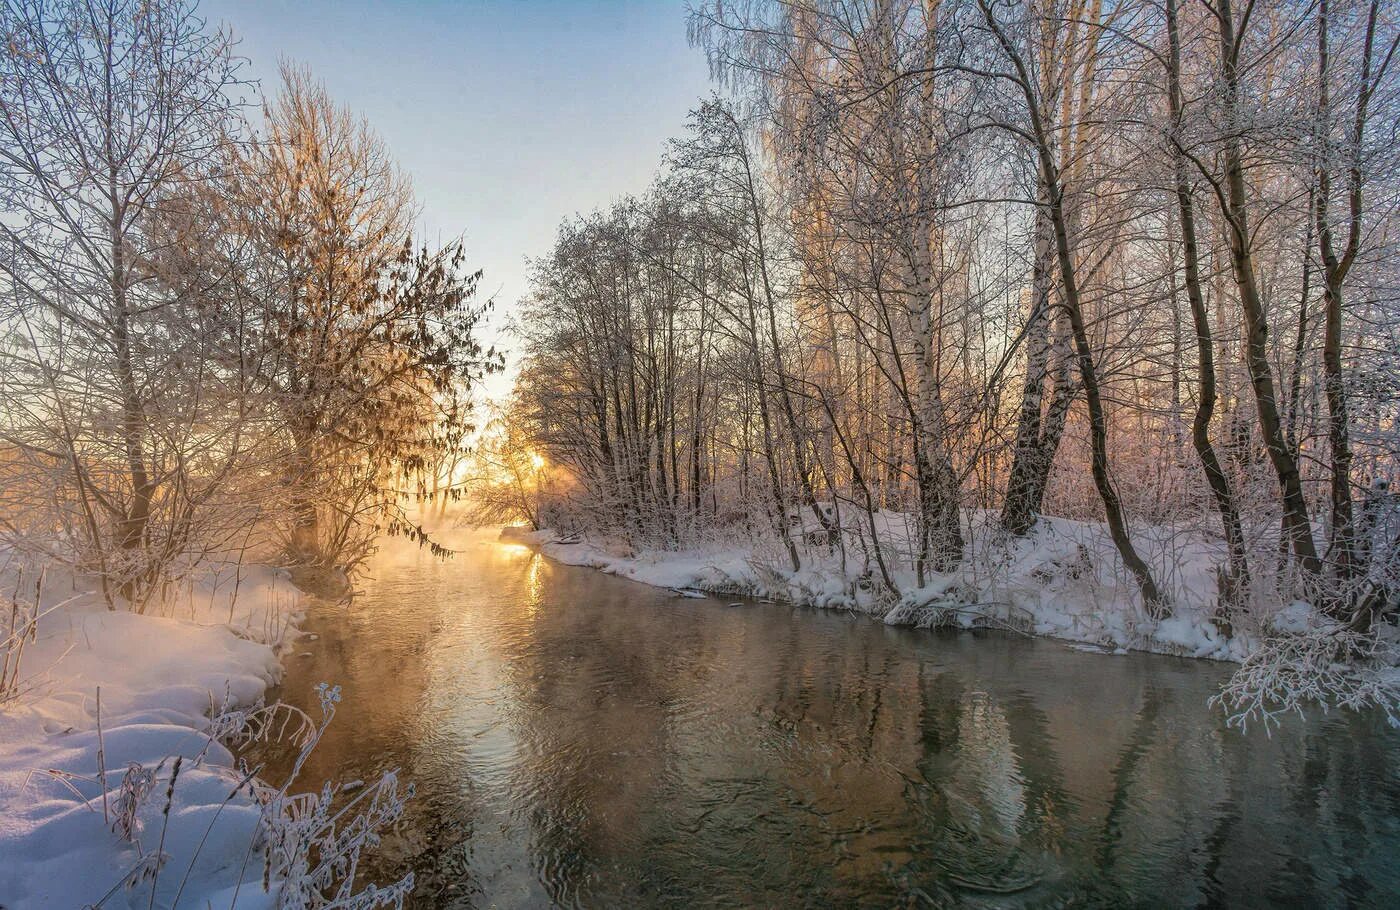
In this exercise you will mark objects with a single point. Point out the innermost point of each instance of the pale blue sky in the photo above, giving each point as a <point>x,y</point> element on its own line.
<point>509,116</point>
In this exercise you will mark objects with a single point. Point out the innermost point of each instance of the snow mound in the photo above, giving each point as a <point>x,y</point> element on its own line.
<point>160,677</point>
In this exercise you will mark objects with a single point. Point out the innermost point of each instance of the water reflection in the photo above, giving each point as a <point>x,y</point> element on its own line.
<point>584,741</point>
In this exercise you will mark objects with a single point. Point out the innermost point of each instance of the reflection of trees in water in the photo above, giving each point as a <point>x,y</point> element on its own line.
<point>674,761</point>
<point>747,761</point>
<point>1337,793</point>
<point>989,795</point>
<point>1158,826</point>
<point>1124,779</point>
<point>970,800</point>
<point>1043,823</point>
<point>1172,826</point>
<point>594,743</point>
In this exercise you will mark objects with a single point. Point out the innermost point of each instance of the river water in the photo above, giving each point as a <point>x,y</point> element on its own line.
<point>580,740</point>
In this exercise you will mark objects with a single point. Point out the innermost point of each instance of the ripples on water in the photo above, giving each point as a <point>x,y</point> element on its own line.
<point>578,740</point>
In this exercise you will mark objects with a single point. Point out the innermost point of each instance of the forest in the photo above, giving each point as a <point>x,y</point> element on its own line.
<point>927,278</point>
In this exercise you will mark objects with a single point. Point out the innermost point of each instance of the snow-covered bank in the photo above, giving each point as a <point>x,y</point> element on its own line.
<point>66,839</point>
<point>1063,581</point>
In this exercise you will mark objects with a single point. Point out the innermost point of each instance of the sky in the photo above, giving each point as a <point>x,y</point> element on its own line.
<point>508,115</point>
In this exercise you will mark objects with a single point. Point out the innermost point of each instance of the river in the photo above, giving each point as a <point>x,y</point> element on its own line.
<point>581,740</point>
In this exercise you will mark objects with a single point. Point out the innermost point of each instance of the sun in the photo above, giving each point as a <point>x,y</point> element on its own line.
<point>537,461</point>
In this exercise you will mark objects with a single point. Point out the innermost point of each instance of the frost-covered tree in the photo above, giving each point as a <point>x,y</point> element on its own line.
<point>1072,260</point>
<point>366,342</point>
<point>116,439</point>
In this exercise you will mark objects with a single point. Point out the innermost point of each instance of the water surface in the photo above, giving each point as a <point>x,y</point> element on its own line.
<point>580,740</point>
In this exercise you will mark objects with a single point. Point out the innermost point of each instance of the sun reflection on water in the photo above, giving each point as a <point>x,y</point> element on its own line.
<point>534,575</point>
<point>534,583</point>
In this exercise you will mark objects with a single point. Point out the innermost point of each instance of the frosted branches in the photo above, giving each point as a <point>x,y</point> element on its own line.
<point>1326,665</point>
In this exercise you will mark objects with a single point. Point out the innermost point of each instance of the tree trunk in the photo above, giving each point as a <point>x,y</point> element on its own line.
<point>1237,580</point>
<point>1235,209</point>
<point>1038,430</point>
<point>1336,264</point>
<point>1088,372</point>
<point>132,530</point>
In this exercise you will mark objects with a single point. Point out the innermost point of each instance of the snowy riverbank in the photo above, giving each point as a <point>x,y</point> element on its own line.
<point>84,810</point>
<point>1062,581</point>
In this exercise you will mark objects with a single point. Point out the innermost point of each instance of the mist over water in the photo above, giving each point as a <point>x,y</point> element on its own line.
<point>581,740</point>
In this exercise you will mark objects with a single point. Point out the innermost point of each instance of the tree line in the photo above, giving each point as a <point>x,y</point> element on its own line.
<point>976,262</point>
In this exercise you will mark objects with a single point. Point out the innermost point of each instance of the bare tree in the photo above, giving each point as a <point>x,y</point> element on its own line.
<point>106,110</point>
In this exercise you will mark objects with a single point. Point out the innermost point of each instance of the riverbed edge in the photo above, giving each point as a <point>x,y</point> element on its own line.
<point>1030,598</point>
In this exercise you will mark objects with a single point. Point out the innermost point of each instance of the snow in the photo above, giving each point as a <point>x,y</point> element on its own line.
<point>1296,618</point>
<point>708,570</point>
<point>1064,581</point>
<point>161,676</point>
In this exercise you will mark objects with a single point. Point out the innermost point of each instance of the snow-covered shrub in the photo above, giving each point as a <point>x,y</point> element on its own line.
<point>137,783</point>
<point>310,843</point>
<point>1312,660</point>
<point>19,626</point>
<point>21,623</point>
<point>313,845</point>
<point>235,725</point>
